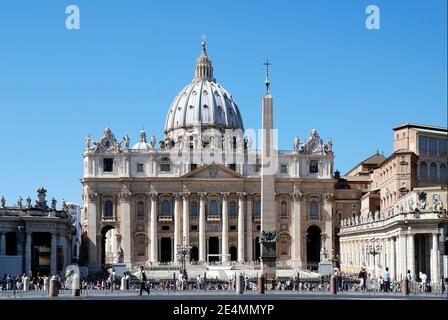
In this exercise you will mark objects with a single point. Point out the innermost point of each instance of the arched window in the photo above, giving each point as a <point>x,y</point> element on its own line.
<point>232,209</point>
<point>194,209</point>
<point>258,208</point>
<point>423,169</point>
<point>108,209</point>
<point>140,210</point>
<point>314,168</point>
<point>339,215</point>
<point>166,208</point>
<point>213,210</point>
<point>433,171</point>
<point>283,209</point>
<point>443,174</point>
<point>314,210</point>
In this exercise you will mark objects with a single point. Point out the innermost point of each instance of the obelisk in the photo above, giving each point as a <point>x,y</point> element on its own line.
<point>268,236</point>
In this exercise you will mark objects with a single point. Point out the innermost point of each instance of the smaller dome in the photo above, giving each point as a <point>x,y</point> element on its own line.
<point>141,144</point>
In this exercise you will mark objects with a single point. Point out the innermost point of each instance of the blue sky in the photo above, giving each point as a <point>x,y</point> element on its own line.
<point>130,58</point>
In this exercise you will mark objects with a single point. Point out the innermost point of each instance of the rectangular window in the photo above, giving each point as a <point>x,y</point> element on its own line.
<point>165,228</point>
<point>141,250</point>
<point>232,166</point>
<point>403,168</point>
<point>232,228</point>
<point>284,168</point>
<point>442,147</point>
<point>140,168</point>
<point>165,167</point>
<point>433,146</point>
<point>422,144</point>
<point>194,228</point>
<point>108,165</point>
<point>258,227</point>
<point>314,166</point>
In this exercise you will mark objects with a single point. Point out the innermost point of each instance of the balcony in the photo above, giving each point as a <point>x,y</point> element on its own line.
<point>213,218</point>
<point>165,218</point>
<point>257,218</point>
<point>108,218</point>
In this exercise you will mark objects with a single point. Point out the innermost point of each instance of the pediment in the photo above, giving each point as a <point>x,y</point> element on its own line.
<point>213,171</point>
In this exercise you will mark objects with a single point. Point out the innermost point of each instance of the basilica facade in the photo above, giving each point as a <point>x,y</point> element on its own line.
<point>199,186</point>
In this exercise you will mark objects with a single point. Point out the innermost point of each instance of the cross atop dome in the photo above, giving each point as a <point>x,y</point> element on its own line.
<point>204,68</point>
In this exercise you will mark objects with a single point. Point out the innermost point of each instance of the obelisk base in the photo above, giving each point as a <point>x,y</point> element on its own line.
<point>268,260</point>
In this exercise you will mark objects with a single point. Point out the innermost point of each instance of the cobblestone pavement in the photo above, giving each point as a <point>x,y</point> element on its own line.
<point>222,295</point>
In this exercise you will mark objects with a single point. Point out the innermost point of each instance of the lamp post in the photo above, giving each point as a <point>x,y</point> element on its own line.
<point>183,251</point>
<point>374,250</point>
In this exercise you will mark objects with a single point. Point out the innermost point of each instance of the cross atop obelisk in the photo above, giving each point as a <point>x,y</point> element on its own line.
<point>267,81</point>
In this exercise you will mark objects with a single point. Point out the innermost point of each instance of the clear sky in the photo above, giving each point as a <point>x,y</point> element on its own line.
<point>129,59</point>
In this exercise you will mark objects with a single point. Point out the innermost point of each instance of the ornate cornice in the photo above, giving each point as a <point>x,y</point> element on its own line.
<point>329,197</point>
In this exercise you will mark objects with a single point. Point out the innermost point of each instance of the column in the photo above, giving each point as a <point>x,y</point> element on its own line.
<point>435,258</point>
<point>296,234</point>
<point>2,243</point>
<point>328,209</point>
<point>177,214</point>
<point>411,253</point>
<point>63,239</point>
<point>149,224</point>
<point>225,226</point>
<point>126,227</point>
<point>202,251</point>
<point>92,232</point>
<point>29,237</point>
<point>249,224</point>
<point>402,256</point>
<point>241,196</point>
<point>186,218</point>
<point>53,253</point>
<point>154,225</point>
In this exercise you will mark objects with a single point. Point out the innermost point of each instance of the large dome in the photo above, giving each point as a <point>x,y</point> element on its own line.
<point>203,103</point>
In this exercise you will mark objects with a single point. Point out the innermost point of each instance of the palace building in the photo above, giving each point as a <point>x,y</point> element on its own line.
<point>403,222</point>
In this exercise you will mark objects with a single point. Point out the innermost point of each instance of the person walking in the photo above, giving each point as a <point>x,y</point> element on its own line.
<point>143,280</point>
<point>363,278</point>
<point>424,282</point>
<point>386,279</point>
<point>409,277</point>
<point>113,280</point>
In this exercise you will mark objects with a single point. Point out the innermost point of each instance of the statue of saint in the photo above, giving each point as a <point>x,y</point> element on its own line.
<point>88,142</point>
<point>53,203</point>
<point>152,141</point>
<point>19,202</point>
<point>28,202</point>
<point>296,143</point>
<point>126,141</point>
<point>120,255</point>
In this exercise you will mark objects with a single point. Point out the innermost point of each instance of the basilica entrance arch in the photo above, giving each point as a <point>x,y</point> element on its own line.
<point>313,245</point>
<point>194,254</point>
<point>213,248</point>
<point>109,245</point>
<point>232,251</point>
<point>165,249</point>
